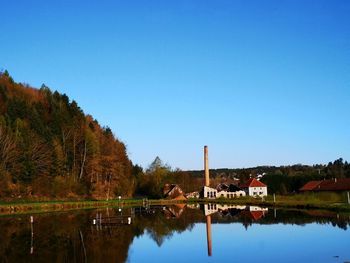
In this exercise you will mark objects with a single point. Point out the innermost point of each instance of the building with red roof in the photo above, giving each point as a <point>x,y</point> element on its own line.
<point>336,185</point>
<point>254,187</point>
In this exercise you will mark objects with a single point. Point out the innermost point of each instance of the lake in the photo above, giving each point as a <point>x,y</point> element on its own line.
<point>179,233</point>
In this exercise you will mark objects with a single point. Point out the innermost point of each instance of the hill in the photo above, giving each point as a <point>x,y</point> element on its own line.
<point>50,149</point>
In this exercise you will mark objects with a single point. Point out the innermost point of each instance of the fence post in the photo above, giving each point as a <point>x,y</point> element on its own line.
<point>348,199</point>
<point>274,198</point>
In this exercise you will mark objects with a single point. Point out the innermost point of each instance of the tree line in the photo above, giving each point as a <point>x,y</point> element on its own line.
<point>282,179</point>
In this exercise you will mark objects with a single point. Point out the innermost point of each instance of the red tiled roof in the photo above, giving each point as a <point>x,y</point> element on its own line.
<point>252,182</point>
<point>309,186</point>
<point>328,185</point>
<point>335,185</point>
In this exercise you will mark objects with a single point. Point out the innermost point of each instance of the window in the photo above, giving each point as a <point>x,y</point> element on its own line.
<point>208,194</point>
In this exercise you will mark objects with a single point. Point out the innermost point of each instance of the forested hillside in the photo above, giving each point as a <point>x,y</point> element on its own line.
<point>50,149</point>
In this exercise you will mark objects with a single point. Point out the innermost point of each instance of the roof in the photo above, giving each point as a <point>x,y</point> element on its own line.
<point>222,187</point>
<point>328,185</point>
<point>252,182</point>
<point>227,188</point>
<point>173,191</point>
<point>309,186</point>
<point>234,188</point>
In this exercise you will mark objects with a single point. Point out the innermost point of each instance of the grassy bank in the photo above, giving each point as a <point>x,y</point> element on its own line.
<point>327,201</point>
<point>58,205</point>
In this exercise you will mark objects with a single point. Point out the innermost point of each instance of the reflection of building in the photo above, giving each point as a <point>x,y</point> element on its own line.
<point>224,209</point>
<point>210,209</point>
<point>174,211</point>
<point>252,213</point>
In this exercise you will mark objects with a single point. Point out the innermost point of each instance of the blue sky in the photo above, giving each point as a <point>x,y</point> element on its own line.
<point>259,82</point>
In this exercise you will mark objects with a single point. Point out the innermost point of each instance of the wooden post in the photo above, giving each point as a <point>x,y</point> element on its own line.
<point>206,166</point>
<point>274,198</point>
<point>32,235</point>
<point>348,199</point>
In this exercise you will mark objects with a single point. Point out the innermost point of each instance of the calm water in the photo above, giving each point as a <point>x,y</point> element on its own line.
<point>176,234</point>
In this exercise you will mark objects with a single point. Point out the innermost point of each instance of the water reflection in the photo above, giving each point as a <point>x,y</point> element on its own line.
<point>254,213</point>
<point>112,234</point>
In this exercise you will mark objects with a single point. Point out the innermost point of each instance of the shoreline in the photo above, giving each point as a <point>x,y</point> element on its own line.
<point>22,207</point>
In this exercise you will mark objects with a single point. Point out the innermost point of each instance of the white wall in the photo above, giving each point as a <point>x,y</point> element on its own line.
<point>212,192</point>
<point>257,191</point>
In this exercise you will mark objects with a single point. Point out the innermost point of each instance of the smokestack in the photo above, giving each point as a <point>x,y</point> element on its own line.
<point>206,166</point>
<point>209,235</point>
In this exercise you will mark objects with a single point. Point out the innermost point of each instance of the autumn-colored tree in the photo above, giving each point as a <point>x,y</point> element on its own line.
<point>49,147</point>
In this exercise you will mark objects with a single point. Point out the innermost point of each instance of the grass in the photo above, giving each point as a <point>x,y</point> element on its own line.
<point>328,201</point>
<point>64,205</point>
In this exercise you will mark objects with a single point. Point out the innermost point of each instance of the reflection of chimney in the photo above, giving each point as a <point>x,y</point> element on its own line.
<point>209,235</point>
<point>206,166</point>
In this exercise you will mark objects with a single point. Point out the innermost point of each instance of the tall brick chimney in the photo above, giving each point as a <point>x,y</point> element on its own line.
<point>206,166</point>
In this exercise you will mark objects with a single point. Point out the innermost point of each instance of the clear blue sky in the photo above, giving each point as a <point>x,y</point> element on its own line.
<point>259,82</point>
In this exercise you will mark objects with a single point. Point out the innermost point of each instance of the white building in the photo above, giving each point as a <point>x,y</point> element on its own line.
<point>229,191</point>
<point>254,187</point>
<point>222,190</point>
<point>209,192</point>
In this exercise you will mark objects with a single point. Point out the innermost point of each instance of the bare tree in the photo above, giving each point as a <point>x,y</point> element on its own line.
<point>8,150</point>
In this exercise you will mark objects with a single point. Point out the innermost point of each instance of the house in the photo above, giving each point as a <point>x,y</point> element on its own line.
<point>229,191</point>
<point>173,191</point>
<point>192,195</point>
<point>333,185</point>
<point>310,186</point>
<point>223,190</point>
<point>254,187</point>
<point>208,192</point>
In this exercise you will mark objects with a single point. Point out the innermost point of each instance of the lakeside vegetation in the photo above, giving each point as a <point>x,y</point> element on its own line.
<point>325,201</point>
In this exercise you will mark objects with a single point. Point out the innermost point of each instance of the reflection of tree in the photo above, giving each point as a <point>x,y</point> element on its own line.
<point>63,237</point>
